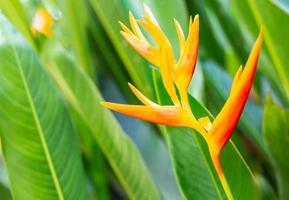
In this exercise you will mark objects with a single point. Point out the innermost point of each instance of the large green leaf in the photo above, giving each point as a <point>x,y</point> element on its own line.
<point>39,144</point>
<point>118,149</point>
<point>109,14</point>
<point>75,17</point>
<point>272,18</point>
<point>95,165</point>
<point>276,132</point>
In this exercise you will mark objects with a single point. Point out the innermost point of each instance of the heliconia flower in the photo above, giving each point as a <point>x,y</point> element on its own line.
<point>42,23</point>
<point>179,73</point>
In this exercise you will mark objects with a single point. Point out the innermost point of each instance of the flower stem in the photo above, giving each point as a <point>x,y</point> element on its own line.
<point>217,164</point>
<point>226,187</point>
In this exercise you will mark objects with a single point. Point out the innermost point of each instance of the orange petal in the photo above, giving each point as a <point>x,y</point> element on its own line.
<point>165,115</point>
<point>226,121</point>
<point>42,23</point>
<point>166,65</point>
<point>144,49</point>
<point>180,34</point>
<point>141,97</point>
<point>186,65</point>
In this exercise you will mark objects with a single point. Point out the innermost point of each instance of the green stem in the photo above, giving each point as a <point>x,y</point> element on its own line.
<point>218,166</point>
<point>226,187</point>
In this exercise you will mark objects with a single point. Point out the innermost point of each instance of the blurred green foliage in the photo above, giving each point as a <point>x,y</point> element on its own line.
<point>86,60</point>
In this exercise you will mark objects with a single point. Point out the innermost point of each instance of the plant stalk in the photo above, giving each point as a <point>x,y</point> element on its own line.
<point>218,166</point>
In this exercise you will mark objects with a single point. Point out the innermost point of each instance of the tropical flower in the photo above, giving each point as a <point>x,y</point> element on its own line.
<point>42,23</point>
<point>177,74</point>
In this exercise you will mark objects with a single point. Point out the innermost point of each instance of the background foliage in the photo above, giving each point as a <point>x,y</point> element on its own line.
<point>59,143</point>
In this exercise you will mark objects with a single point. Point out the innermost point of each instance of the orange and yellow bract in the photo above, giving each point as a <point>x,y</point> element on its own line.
<point>42,23</point>
<point>177,74</point>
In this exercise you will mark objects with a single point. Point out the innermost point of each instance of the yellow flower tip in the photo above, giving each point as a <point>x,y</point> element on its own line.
<point>236,78</point>
<point>196,18</point>
<point>180,34</point>
<point>205,122</point>
<point>42,23</point>
<point>125,28</point>
<point>130,14</point>
<point>141,97</point>
<point>149,15</point>
<point>197,23</point>
<point>261,34</point>
<point>105,104</point>
<point>187,62</point>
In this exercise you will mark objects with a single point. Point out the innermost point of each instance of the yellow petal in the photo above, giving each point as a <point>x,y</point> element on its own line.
<point>166,65</point>
<point>149,16</point>
<point>141,97</point>
<point>180,34</point>
<point>125,28</point>
<point>186,66</point>
<point>136,28</point>
<point>144,49</point>
<point>156,33</point>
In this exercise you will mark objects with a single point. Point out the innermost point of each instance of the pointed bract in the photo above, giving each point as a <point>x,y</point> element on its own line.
<point>186,65</point>
<point>165,115</point>
<point>144,49</point>
<point>226,121</point>
<point>166,65</point>
<point>180,34</point>
<point>141,97</point>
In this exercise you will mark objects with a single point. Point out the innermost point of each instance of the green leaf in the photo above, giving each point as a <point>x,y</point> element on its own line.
<point>118,149</point>
<point>95,165</point>
<point>272,18</point>
<point>75,18</point>
<point>109,14</point>
<point>276,133</point>
<point>4,191</point>
<point>39,143</point>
